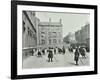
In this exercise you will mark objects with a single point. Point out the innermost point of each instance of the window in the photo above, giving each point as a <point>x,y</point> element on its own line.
<point>42,34</point>
<point>49,34</point>
<point>54,34</point>
<point>59,41</point>
<point>54,41</point>
<point>24,27</point>
<point>33,13</point>
<point>28,31</point>
<point>49,41</point>
<point>42,41</point>
<point>31,33</point>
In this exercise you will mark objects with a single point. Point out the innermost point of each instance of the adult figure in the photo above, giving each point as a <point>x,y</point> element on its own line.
<point>43,51</point>
<point>54,50</point>
<point>63,50</point>
<point>76,56</point>
<point>83,52</point>
<point>39,53</point>
<point>59,50</point>
<point>50,56</point>
<point>71,49</point>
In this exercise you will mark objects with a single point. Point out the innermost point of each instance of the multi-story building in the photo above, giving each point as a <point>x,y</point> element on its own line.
<point>78,36</point>
<point>40,34</point>
<point>86,34</point>
<point>70,38</point>
<point>50,34</point>
<point>83,35</point>
<point>29,29</point>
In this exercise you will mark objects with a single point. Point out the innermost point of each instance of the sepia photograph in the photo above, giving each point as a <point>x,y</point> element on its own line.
<point>55,39</point>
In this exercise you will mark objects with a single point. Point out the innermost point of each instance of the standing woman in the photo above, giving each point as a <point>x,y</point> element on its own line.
<point>50,56</point>
<point>54,50</point>
<point>76,56</point>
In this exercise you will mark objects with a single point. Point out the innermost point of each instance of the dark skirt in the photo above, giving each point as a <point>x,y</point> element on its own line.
<point>76,58</point>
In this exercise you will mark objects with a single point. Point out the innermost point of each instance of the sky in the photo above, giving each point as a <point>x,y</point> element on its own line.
<point>71,21</point>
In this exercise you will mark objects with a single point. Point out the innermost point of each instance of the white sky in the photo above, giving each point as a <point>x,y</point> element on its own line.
<point>71,22</point>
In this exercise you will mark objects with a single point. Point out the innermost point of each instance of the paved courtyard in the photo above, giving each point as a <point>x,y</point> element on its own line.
<point>59,60</point>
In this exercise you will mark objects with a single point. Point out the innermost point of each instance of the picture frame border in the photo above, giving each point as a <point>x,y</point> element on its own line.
<point>14,5</point>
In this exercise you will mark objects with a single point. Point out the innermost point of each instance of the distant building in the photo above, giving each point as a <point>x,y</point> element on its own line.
<point>50,34</point>
<point>70,38</point>
<point>78,36</point>
<point>29,29</point>
<point>83,35</point>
